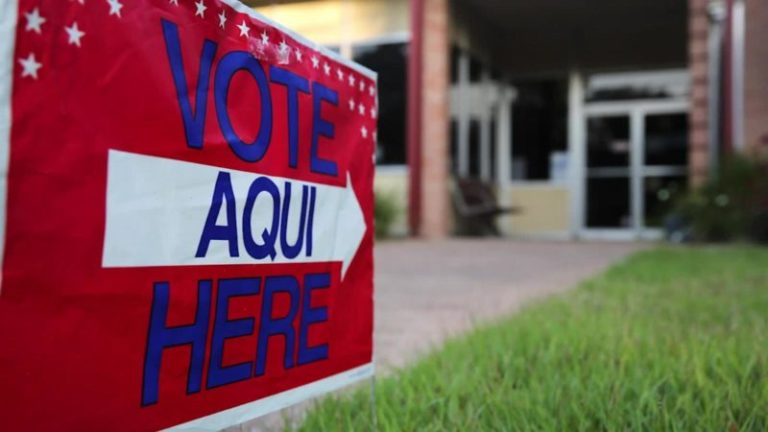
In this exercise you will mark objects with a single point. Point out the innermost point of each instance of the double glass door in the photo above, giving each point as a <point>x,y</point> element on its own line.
<point>636,160</point>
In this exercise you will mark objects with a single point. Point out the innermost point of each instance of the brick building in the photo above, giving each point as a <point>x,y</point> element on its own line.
<point>589,116</point>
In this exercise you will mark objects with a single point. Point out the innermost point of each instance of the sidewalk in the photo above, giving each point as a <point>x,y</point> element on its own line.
<point>429,291</point>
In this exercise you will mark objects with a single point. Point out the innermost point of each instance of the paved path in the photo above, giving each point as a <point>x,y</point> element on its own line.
<point>429,291</point>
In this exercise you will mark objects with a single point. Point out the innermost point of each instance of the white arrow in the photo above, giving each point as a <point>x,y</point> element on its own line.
<point>157,209</point>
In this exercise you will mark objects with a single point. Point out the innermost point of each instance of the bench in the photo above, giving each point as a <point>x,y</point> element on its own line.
<point>477,208</point>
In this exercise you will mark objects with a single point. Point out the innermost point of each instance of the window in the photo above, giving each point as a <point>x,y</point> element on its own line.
<point>638,85</point>
<point>666,139</point>
<point>390,62</point>
<point>474,148</point>
<point>540,132</point>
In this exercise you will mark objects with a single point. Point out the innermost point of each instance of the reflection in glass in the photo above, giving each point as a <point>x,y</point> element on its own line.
<point>608,141</point>
<point>666,139</point>
<point>608,203</point>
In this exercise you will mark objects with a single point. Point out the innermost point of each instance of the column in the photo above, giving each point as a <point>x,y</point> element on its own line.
<point>576,151</point>
<point>698,131</point>
<point>504,137</point>
<point>485,129</point>
<point>504,152</point>
<point>463,116</point>
<point>429,117</point>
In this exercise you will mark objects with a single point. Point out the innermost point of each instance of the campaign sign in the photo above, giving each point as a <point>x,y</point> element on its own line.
<point>187,194</point>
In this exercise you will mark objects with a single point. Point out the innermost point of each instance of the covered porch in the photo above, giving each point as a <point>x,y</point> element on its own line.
<point>507,91</point>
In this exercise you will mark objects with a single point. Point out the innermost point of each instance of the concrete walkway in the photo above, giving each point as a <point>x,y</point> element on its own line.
<point>429,291</point>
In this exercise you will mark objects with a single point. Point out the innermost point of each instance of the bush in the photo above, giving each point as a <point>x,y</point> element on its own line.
<point>385,212</point>
<point>733,206</point>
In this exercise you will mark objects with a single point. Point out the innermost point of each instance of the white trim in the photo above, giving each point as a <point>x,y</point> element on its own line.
<point>676,82</point>
<point>636,162</point>
<point>261,407</point>
<point>240,7</point>
<point>649,106</point>
<point>645,171</point>
<point>664,170</point>
<point>621,234</point>
<point>8,18</point>
<point>607,234</point>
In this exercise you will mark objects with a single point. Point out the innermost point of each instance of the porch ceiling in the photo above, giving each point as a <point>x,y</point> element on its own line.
<point>540,36</point>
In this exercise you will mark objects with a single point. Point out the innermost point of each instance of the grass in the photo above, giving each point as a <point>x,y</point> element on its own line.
<point>671,339</point>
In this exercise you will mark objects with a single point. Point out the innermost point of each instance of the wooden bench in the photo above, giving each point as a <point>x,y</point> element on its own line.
<point>477,208</point>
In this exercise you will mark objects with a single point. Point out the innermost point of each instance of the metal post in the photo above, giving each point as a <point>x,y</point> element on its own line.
<point>714,52</point>
<point>374,414</point>
<point>737,75</point>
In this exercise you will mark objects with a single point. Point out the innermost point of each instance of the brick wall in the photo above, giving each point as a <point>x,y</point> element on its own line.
<point>698,141</point>
<point>756,75</point>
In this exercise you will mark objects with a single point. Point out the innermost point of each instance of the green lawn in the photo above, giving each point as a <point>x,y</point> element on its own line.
<point>672,339</point>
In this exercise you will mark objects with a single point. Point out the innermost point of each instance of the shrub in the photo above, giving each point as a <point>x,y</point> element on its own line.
<point>385,212</point>
<point>733,206</point>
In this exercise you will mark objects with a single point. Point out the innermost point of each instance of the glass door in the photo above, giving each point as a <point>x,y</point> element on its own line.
<point>635,166</point>
<point>665,164</point>
<point>608,191</point>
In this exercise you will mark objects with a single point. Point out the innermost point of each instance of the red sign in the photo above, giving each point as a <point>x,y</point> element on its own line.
<point>187,193</point>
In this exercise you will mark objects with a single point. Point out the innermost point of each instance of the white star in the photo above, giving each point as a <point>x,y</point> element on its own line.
<point>114,7</point>
<point>174,2</point>
<point>361,109</point>
<point>364,131</point>
<point>352,104</point>
<point>373,112</point>
<point>371,90</point>
<point>315,62</point>
<point>351,80</point>
<point>340,74</point>
<point>362,86</point>
<point>201,7</point>
<point>30,65</point>
<point>298,55</point>
<point>326,68</point>
<point>34,21</point>
<point>74,33</point>
<point>264,38</point>
<point>81,1</point>
<point>284,48</point>
<point>222,19</point>
<point>244,29</point>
